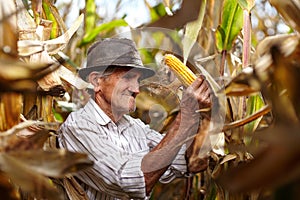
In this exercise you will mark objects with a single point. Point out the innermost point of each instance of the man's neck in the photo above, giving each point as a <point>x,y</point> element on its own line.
<point>107,108</point>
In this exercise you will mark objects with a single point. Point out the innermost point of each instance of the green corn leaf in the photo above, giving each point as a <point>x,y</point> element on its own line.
<point>246,4</point>
<point>157,11</point>
<point>192,31</point>
<point>90,36</point>
<point>231,25</point>
<point>254,104</point>
<point>90,19</point>
<point>49,15</point>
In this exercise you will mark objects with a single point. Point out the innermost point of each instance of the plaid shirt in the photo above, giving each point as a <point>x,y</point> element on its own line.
<point>117,150</point>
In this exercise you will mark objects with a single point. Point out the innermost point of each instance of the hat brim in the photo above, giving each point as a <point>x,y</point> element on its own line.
<point>146,72</point>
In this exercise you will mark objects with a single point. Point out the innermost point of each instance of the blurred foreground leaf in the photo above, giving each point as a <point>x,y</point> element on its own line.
<point>275,163</point>
<point>53,163</point>
<point>27,179</point>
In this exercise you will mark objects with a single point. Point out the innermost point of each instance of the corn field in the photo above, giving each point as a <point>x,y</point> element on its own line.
<point>248,51</point>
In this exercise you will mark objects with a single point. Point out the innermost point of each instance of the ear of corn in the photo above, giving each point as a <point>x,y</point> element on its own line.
<point>182,72</point>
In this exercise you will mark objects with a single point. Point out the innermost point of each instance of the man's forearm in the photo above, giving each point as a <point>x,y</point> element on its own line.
<point>156,162</point>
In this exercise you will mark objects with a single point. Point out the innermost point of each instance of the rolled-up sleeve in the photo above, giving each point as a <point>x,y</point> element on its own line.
<point>178,168</point>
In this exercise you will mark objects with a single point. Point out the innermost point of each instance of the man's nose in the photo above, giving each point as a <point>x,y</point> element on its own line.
<point>135,87</point>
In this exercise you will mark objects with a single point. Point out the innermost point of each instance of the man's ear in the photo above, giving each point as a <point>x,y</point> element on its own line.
<point>95,79</point>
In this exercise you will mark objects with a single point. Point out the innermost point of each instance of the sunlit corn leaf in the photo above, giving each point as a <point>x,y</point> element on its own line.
<point>30,181</point>
<point>27,22</point>
<point>64,60</point>
<point>67,72</point>
<point>53,163</point>
<point>289,9</point>
<point>275,163</point>
<point>55,45</point>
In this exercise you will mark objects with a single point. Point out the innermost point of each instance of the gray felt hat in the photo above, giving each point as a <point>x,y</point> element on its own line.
<point>109,52</point>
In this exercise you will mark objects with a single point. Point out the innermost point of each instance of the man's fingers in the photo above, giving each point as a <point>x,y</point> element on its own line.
<point>198,81</point>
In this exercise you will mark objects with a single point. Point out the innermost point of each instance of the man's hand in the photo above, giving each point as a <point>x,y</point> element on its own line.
<point>195,98</point>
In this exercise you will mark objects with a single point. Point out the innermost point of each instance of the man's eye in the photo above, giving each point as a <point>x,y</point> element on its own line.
<point>128,77</point>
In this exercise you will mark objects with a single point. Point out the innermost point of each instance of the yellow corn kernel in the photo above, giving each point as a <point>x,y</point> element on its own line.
<point>182,72</point>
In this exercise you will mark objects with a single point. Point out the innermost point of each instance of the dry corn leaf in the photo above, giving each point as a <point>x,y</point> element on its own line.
<point>30,140</point>
<point>53,163</point>
<point>8,29</point>
<point>197,153</point>
<point>10,110</point>
<point>71,78</point>
<point>245,83</point>
<point>12,70</point>
<point>26,135</point>
<point>280,77</point>
<point>250,79</point>
<point>19,76</point>
<point>275,163</point>
<point>275,160</point>
<point>30,47</point>
<point>30,181</point>
<point>7,189</point>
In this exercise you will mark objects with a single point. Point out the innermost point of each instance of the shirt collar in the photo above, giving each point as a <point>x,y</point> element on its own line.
<point>124,123</point>
<point>103,119</point>
<point>100,116</point>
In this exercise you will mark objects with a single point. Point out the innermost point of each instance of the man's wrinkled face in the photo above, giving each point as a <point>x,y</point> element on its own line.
<point>120,89</point>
